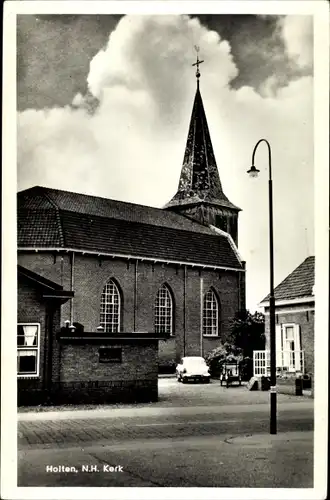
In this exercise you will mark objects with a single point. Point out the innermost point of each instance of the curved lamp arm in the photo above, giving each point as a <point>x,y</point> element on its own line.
<point>269,155</point>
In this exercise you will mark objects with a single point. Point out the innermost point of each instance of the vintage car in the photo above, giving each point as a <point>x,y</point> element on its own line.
<point>192,368</point>
<point>230,373</point>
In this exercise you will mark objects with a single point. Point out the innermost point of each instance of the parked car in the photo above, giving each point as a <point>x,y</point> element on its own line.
<point>192,368</point>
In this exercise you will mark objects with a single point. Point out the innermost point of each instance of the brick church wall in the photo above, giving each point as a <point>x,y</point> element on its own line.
<point>92,272</point>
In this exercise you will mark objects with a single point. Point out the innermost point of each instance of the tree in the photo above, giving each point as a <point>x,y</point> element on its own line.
<point>246,335</point>
<point>224,353</point>
<point>248,332</point>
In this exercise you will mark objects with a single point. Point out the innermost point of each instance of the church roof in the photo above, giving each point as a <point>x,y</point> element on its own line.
<point>50,218</point>
<point>199,180</point>
<point>299,284</point>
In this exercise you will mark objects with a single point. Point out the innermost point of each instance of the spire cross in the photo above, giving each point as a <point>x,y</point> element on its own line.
<point>197,63</point>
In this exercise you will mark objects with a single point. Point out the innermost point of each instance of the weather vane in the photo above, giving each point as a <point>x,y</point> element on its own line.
<point>197,63</point>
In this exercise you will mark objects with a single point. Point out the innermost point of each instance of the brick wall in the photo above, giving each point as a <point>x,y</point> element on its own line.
<point>91,273</point>
<point>32,308</point>
<point>306,321</point>
<point>85,379</point>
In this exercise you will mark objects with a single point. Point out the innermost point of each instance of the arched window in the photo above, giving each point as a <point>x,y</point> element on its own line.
<point>164,311</point>
<point>110,308</point>
<point>210,314</point>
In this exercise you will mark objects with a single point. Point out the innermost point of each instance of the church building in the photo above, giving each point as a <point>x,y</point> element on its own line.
<point>174,273</point>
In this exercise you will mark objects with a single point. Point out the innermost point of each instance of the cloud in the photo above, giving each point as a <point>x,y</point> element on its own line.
<point>131,145</point>
<point>297,33</point>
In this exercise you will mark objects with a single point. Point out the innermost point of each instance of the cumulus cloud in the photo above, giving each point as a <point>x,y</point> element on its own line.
<point>297,32</point>
<point>131,146</point>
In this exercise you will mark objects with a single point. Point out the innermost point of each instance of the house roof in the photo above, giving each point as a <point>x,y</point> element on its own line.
<point>199,180</point>
<point>50,288</point>
<point>299,284</point>
<point>49,218</point>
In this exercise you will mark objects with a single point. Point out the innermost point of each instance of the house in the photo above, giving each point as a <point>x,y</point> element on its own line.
<point>173,274</point>
<point>294,313</point>
<point>38,319</point>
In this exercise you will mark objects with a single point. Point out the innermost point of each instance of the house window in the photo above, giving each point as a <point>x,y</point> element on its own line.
<point>210,314</point>
<point>288,347</point>
<point>28,345</point>
<point>110,308</point>
<point>164,311</point>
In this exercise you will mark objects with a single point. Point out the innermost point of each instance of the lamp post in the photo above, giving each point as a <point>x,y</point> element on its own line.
<point>253,172</point>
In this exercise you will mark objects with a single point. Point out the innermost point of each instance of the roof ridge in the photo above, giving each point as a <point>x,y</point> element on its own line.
<point>100,197</point>
<point>212,233</point>
<point>288,278</point>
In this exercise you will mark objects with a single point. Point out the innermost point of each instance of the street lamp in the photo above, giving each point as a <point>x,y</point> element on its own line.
<point>253,172</point>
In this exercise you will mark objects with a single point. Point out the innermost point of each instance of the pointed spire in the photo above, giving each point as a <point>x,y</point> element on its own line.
<point>199,180</point>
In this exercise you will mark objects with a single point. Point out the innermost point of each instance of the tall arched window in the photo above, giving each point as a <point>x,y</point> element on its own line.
<point>210,314</point>
<point>164,311</point>
<point>110,307</point>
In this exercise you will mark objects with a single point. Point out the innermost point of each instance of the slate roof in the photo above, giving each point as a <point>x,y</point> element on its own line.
<point>298,284</point>
<point>49,218</point>
<point>199,180</point>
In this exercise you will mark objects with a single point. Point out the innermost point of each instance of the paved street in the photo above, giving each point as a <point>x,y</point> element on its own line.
<point>221,439</point>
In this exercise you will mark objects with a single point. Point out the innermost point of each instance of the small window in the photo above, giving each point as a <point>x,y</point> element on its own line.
<point>221,222</point>
<point>289,333</point>
<point>28,349</point>
<point>110,355</point>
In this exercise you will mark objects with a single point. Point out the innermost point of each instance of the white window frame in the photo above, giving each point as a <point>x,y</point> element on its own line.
<point>30,348</point>
<point>285,352</point>
<point>216,334</point>
<point>164,311</point>
<point>105,323</point>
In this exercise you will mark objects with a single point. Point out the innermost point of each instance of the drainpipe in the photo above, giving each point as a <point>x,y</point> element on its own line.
<point>71,286</point>
<point>62,269</point>
<point>135,294</point>
<point>49,337</point>
<point>201,308</point>
<point>184,309</point>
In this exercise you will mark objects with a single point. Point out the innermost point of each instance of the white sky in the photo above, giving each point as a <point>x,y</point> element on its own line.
<point>132,148</point>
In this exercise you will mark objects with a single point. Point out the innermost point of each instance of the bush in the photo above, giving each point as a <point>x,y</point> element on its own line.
<point>220,355</point>
<point>246,368</point>
<point>167,367</point>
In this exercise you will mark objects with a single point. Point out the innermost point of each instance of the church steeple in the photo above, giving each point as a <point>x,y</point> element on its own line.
<point>200,194</point>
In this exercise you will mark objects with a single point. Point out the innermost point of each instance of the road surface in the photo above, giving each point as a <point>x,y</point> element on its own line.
<point>210,445</point>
